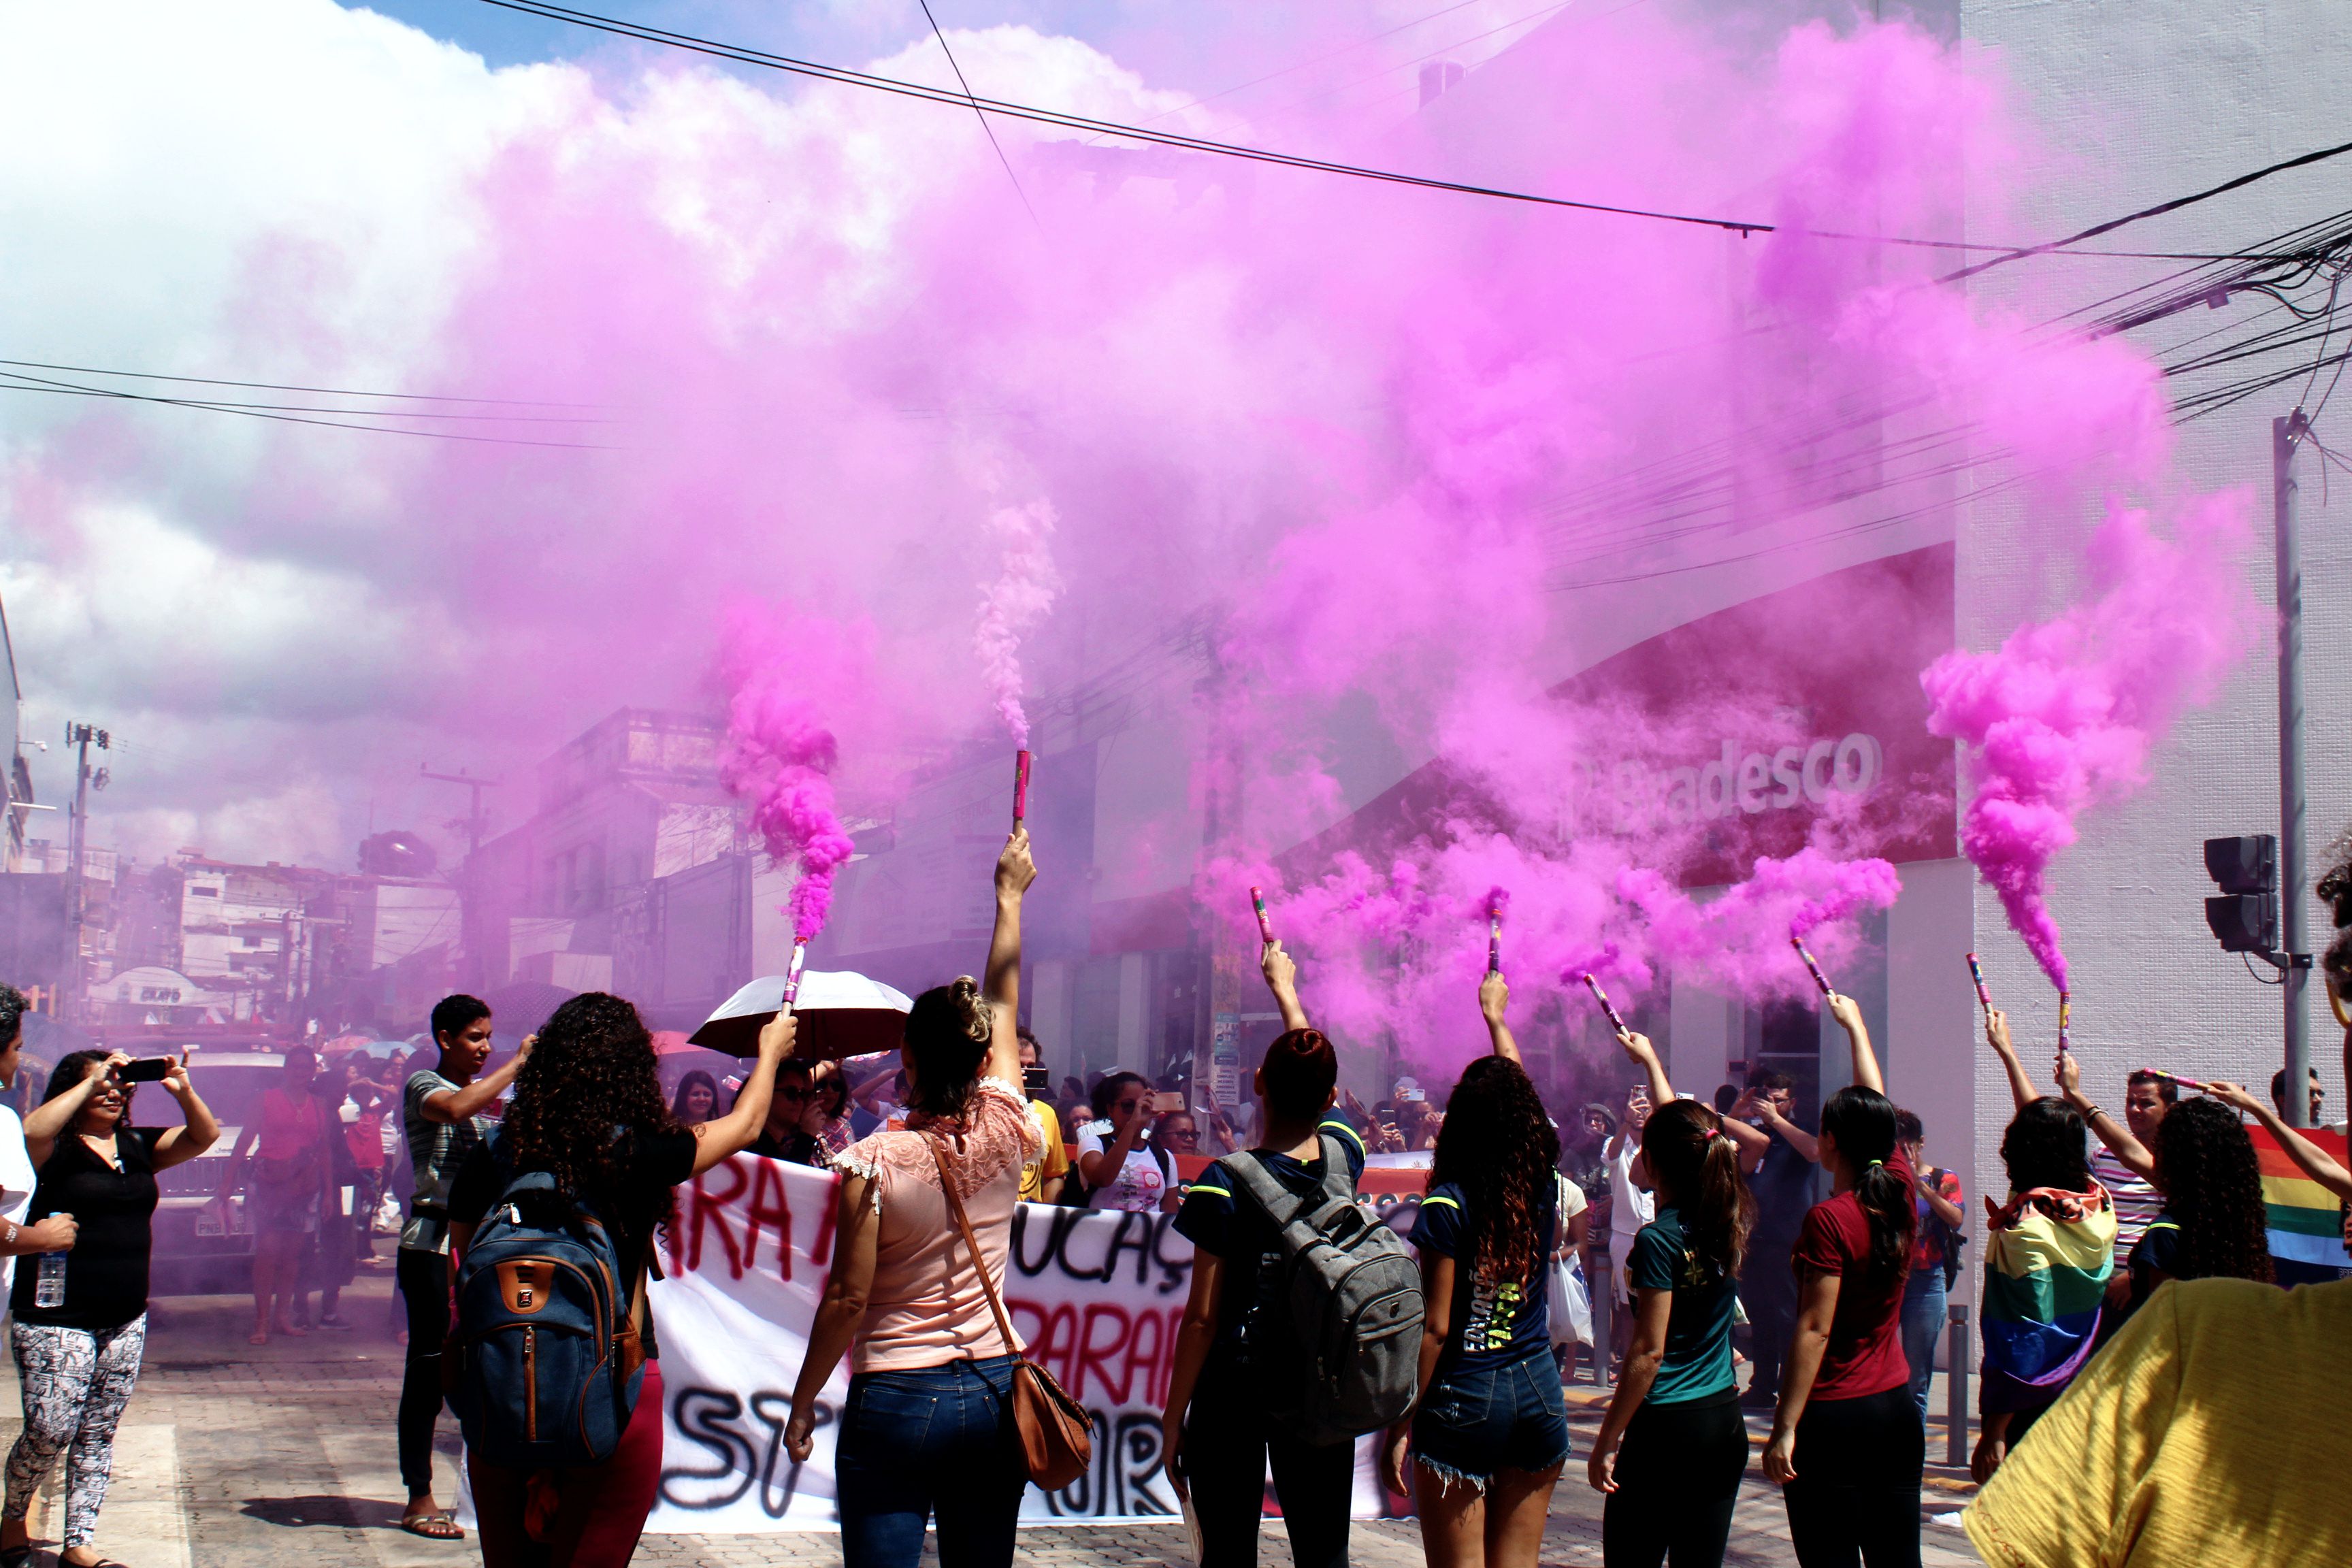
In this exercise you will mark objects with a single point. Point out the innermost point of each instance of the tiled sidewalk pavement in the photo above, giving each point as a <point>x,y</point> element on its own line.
<point>233,1456</point>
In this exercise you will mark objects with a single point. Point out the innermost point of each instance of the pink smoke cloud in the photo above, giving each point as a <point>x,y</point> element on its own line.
<point>1012,605</point>
<point>2064,714</point>
<point>780,752</point>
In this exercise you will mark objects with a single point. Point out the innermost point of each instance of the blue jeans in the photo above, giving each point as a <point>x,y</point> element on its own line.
<point>938,1441</point>
<point>1923,1320</point>
<point>1483,1416</point>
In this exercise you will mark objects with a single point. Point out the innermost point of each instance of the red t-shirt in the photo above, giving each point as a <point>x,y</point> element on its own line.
<point>1865,1349</point>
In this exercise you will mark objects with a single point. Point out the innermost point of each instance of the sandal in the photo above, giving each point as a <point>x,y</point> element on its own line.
<point>435,1526</point>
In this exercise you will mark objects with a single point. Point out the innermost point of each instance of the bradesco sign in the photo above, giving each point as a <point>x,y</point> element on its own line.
<point>1780,780</point>
<point>1792,704</point>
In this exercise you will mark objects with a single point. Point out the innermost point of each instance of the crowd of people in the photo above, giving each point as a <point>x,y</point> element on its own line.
<point>2126,1275</point>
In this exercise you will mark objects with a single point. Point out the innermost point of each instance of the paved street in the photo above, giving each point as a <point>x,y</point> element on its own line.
<point>237,1458</point>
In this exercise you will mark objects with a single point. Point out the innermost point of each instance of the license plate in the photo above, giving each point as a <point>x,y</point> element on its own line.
<point>208,1220</point>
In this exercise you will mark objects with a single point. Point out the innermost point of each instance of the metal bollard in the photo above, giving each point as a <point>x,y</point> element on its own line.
<point>1955,1389</point>
<point>1603,1291</point>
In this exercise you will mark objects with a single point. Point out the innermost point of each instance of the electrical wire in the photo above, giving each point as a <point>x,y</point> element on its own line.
<point>986,128</point>
<point>282,387</point>
<point>18,382</point>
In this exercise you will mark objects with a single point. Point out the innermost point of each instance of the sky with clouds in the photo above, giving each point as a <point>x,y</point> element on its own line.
<point>280,622</point>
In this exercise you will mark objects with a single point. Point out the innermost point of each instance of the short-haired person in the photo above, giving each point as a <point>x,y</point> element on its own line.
<point>1781,1169</point>
<point>442,1112</point>
<point>2124,1163</point>
<point>1042,1178</point>
<point>1490,1431</point>
<point>1673,1446</point>
<point>78,1361</point>
<point>1847,1446</point>
<point>928,1431</point>
<point>283,1189</point>
<point>1122,1168</point>
<point>795,1129</point>
<point>1217,1438</point>
<point>2318,1096</point>
<point>1631,1206</point>
<point>588,1110</point>
<point>1940,1221</point>
<point>2049,1253</point>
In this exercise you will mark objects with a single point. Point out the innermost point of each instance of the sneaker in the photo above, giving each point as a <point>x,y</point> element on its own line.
<point>336,1325</point>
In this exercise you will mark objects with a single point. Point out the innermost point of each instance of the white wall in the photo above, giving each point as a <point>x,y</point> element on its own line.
<point>2142,102</point>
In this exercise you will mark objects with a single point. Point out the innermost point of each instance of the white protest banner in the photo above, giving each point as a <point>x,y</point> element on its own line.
<point>1097,1296</point>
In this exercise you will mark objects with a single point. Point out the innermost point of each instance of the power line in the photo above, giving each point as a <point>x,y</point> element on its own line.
<point>18,382</point>
<point>282,387</point>
<point>986,128</point>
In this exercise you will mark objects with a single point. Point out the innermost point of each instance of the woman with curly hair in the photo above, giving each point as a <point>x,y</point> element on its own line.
<point>1489,1432</point>
<point>2212,1224</point>
<point>929,1428</point>
<point>588,1110</point>
<point>1673,1446</point>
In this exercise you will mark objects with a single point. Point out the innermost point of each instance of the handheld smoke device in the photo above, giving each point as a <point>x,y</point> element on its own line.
<point>2174,1078</point>
<point>1495,937</point>
<point>1265,925</point>
<point>1976,972</point>
<point>1020,786</point>
<point>793,974</point>
<point>1819,978</point>
<point>2066,1016</point>
<point>1616,1018</point>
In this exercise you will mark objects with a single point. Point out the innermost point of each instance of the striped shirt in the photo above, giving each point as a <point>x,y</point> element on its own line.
<point>2136,1203</point>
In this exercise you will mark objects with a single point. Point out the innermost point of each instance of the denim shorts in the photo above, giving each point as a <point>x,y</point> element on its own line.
<point>1483,1416</point>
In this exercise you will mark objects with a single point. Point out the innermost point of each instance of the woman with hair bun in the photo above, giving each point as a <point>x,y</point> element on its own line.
<point>1847,1447</point>
<point>588,1110</point>
<point>1674,1444</point>
<point>1489,1432</point>
<point>929,1428</point>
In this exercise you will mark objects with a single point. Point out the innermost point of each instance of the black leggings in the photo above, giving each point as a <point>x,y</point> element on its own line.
<point>424,1279</point>
<point>1856,1495</point>
<point>1678,1474</point>
<point>1228,1447</point>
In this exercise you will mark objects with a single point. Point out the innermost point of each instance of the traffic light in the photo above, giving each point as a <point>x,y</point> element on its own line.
<point>2245,918</point>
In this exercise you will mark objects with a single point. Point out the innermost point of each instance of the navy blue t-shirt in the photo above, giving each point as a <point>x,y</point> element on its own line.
<point>1220,1218</point>
<point>1784,1187</point>
<point>1493,1320</point>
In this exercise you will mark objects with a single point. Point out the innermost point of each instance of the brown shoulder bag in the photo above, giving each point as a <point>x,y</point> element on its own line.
<point>1057,1434</point>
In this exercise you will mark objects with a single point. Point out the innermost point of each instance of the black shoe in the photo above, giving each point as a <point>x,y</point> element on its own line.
<point>16,1556</point>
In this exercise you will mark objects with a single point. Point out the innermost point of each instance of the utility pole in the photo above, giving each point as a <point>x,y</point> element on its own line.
<point>79,736</point>
<point>474,820</point>
<point>467,877</point>
<point>2285,435</point>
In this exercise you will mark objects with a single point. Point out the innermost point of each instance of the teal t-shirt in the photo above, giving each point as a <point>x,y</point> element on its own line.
<point>1698,1362</point>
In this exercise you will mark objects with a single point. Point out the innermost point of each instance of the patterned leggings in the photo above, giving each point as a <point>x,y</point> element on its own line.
<point>76,1384</point>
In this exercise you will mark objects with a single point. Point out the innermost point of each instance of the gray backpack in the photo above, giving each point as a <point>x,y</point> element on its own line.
<point>1352,1292</point>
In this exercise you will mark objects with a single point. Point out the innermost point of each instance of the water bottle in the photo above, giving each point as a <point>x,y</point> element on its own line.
<point>49,1291</point>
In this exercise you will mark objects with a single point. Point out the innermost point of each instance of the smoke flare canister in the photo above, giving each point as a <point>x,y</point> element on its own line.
<point>793,974</point>
<point>1819,978</point>
<point>1616,1018</point>
<point>1976,972</point>
<point>1020,786</point>
<point>1495,939</point>
<point>2176,1078</point>
<point>1265,925</point>
<point>2066,1016</point>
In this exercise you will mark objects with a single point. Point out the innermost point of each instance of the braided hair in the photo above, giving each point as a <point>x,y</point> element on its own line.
<point>1498,1147</point>
<point>2205,1165</point>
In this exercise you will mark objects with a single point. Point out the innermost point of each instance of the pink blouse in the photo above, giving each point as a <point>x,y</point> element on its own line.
<point>927,1307</point>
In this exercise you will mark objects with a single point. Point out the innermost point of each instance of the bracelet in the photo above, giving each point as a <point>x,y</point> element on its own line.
<point>2092,1112</point>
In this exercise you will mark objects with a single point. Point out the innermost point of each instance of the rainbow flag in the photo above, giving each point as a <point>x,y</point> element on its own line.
<point>2306,1222</point>
<point>2048,1254</point>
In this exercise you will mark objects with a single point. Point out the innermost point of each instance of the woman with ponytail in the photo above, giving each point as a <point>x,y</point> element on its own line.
<point>1673,1446</point>
<point>1489,1432</point>
<point>1847,1445</point>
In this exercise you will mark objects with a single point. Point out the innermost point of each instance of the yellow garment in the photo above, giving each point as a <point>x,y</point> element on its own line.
<point>2209,1432</point>
<point>1053,1161</point>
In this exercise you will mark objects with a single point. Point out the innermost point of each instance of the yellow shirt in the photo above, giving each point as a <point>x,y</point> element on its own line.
<point>1053,1161</point>
<point>2209,1432</point>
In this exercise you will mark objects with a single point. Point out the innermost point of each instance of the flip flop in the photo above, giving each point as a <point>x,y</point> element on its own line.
<point>436,1526</point>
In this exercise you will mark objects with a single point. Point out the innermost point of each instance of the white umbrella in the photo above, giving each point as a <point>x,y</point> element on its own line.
<point>841,1015</point>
